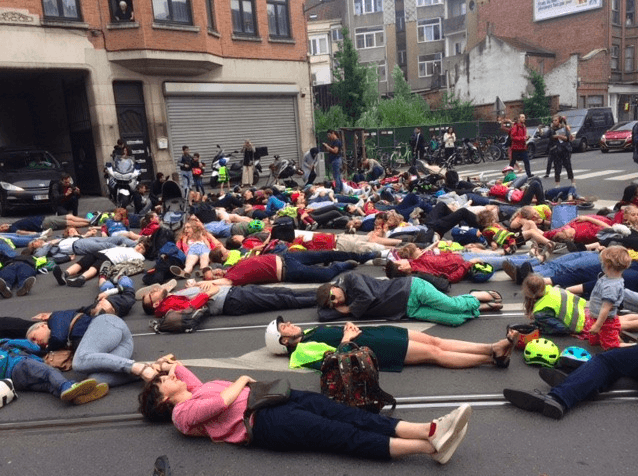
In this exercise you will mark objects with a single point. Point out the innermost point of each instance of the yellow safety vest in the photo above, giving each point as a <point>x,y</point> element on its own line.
<point>8,242</point>
<point>500,235</point>
<point>543,210</point>
<point>568,307</point>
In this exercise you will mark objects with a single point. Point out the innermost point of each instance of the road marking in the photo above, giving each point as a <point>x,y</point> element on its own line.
<point>600,173</point>
<point>624,177</point>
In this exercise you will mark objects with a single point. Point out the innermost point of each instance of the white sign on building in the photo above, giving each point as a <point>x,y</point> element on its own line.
<point>546,9</point>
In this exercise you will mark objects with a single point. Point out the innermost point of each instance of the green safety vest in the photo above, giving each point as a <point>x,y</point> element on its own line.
<point>568,307</point>
<point>500,235</point>
<point>9,242</point>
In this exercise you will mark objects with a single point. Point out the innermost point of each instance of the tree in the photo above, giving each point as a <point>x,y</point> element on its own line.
<point>536,105</point>
<point>351,80</point>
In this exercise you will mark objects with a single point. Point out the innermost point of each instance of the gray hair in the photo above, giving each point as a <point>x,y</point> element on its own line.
<point>35,326</point>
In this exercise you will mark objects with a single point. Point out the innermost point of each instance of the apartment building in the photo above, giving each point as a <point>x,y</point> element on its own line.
<point>76,75</point>
<point>423,37</point>
<point>585,49</point>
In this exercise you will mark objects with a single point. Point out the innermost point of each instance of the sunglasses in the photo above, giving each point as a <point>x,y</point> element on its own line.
<point>333,298</point>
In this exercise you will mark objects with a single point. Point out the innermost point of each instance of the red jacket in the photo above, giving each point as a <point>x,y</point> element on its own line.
<point>177,303</point>
<point>518,133</point>
<point>450,265</point>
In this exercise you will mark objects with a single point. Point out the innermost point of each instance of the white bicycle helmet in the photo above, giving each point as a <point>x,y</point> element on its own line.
<point>272,337</point>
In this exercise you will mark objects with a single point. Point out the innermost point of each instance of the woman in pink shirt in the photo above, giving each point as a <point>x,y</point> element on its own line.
<point>307,421</point>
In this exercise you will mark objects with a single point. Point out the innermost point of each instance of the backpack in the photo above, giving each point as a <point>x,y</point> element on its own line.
<point>178,321</point>
<point>351,377</point>
<point>283,229</point>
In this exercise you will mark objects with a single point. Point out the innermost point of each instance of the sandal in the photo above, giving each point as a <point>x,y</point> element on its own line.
<point>496,296</point>
<point>503,361</point>
<point>490,306</point>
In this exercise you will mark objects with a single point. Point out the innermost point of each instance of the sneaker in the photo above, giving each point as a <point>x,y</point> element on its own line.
<point>535,402</point>
<point>104,268</point>
<point>552,377</point>
<point>26,286</point>
<point>100,390</point>
<point>177,271</point>
<point>76,282</point>
<point>379,261</point>
<point>449,426</point>
<point>352,263</point>
<point>77,389</point>
<point>524,271</point>
<point>60,276</point>
<point>161,467</point>
<point>444,456</point>
<point>46,233</point>
<point>4,289</point>
<point>314,226</point>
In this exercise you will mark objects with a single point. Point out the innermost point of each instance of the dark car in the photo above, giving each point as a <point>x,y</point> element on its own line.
<point>588,125</point>
<point>25,177</point>
<point>538,142</point>
<point>618,137</point>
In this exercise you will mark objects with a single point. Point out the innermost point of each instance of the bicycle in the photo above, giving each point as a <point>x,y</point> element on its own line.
<point>402,153</point>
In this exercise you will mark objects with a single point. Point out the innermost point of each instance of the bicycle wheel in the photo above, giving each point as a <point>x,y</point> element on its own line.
<point>475,155</point>
<point>493,153</point>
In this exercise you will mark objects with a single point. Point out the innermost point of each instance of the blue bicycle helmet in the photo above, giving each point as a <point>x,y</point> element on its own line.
<point>255,226</point>
<point>481,272</point>
<point>541,352</point>
<point>573,357</point>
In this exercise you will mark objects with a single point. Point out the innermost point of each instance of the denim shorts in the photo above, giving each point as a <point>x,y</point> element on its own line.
<point>198,249</point>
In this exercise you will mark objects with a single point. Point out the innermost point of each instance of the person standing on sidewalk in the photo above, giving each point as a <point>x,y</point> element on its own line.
<point>518,135</point>
<point>335,158</point>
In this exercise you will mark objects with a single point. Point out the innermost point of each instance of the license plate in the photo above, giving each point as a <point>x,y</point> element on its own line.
<point>615,142</point>
<point>40,197</point>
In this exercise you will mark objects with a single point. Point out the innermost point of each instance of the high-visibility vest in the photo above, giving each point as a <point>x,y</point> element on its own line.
<point>500,234</point>
<point>543,210</point>
<point>568,307</point>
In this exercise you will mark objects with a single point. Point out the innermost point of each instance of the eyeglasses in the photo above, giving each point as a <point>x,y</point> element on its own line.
<point>333,298</point>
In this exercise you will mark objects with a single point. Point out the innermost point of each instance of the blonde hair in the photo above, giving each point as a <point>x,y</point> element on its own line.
<point>485,218</point>
<point>533,289</point>
<point>616,258</point>
<point>407,252</point>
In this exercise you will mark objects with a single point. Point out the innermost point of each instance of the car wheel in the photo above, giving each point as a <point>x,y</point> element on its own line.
<point>582,147</point>
<point>531,151</point>
<point>604,151</point>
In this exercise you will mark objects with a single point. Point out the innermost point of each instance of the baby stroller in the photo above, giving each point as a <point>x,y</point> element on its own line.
<point>282,169</point>
<point>174,205</point>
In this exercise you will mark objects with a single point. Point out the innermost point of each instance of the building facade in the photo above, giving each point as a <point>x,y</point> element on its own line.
<point>79,74</point>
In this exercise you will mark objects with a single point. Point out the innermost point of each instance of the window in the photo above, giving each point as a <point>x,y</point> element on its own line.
<point>428,30</point>
<point>615,12</point>
<point>430,65</point>
<point>400,20</point>
<point>318,45</point>
<point>458,48</point>
<point>173,11</point>
<point>337,34</point>
<point>62,9</point>
<point>381,70</point>
<point>594,101</point>
<point>369,37</point>
<point>401,58</point>
<point>361,7</point>
<point>630,13</point>
<point>457,9</point>
<point>425,3</point>
<point>278,24</point>
<point>629,59</point>
<point>615,53</point>
<point>122,11</point>
<point>210,9</point>
<point>244,20</point>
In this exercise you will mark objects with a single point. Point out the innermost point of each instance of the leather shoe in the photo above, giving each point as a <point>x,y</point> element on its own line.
<point>552,377</point>
<point>510,269</point>
<point>535,402</point>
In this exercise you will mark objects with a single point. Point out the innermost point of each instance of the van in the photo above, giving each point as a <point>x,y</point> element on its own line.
<point>588,125</point>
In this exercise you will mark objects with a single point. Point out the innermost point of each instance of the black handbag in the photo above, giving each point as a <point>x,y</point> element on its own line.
<point>263,395</point>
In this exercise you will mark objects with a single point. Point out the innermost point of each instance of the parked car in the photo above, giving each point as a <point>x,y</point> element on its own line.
<point>538,142</point>
<point>618,137</point>
<point>588,125</point>
<point>25,177</point>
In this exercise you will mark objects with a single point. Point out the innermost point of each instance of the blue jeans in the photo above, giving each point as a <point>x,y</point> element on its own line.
<point>187,181</point>
<point>105,351</point>
<point>336,173</point>
<point>93,244</point>
<point>33,375</point>
<point>16,273</point>
<point>6,250</point>
<point>311,421</point>
<point>298,266</point>
<point>561,192</point>
<point>497,260</point>
<point>570,269</point>
<point>598,374</point>
<point>19,240</point>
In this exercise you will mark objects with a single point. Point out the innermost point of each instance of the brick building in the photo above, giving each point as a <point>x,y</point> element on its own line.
<point>75,75</point>
<point>594,41</point>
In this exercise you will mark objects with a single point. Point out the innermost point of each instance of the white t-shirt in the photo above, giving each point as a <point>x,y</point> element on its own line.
<point>121,254</point>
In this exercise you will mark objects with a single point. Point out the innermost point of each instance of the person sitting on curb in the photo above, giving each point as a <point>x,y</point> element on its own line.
<point>20,363</point>
<point>567,391</point>
<point>393,346</point>
<point>227,300</point>
<point>306,421</point>
<point>363,296</point>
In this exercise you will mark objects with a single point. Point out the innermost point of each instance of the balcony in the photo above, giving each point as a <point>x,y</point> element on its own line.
<point>454,24</point>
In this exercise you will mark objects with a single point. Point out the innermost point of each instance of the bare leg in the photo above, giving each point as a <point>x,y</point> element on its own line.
<point>461,346</point>
<point>419,353</point>
<point>403,447</point>
<point>628,322</point>
<point>74,269</point>
<point>204,261</point>
<point>191,261</point>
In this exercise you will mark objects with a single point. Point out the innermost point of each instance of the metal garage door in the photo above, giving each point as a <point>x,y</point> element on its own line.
<point>201,122</point>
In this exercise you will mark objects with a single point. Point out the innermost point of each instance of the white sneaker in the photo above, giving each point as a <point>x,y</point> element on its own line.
<point>444,455</point>
<point>448,427</point>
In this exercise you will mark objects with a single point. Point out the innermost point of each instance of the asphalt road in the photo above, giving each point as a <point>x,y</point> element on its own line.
<point>41,435</point>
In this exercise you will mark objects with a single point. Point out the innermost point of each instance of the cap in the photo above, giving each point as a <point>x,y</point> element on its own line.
<point>509,168</point>
<point>169,286</point>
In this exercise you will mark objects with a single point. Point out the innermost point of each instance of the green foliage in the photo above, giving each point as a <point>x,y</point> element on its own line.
<point>401,86</point>
<point>454,110</point>
<point>351,80</point>
<point>536,105</point>
<point>334,118</point>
